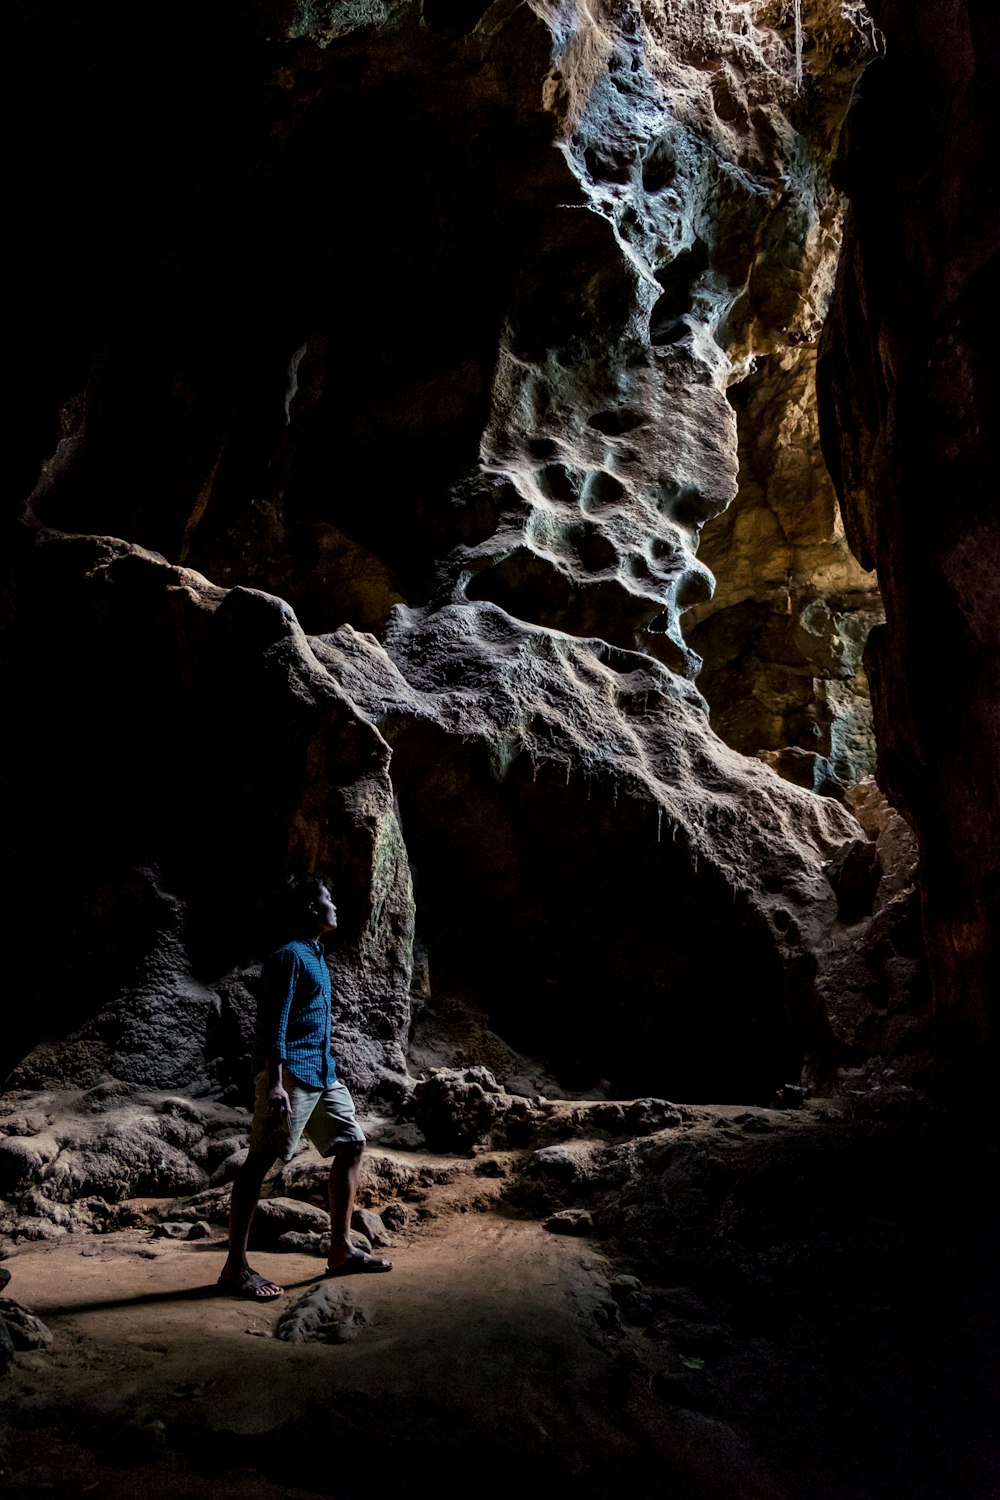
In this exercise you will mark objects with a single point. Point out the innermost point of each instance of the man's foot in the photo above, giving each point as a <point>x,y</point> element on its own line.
<point>359,1264</point>
<point>250,1285</point>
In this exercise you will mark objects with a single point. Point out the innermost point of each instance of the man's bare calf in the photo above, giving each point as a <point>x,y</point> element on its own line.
<point>237,1276</point>
<point>343,1259</point>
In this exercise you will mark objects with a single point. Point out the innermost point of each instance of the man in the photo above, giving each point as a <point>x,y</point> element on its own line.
<point>298,1091</point>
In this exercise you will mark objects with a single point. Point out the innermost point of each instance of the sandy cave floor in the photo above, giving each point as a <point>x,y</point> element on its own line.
<point>485,1336</point>
<point>499,1357</point>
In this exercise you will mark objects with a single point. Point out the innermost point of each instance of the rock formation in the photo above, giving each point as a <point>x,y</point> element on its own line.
<point>472,447</point>
<point>908,385</point>
<point>782,638</point>
<point>397,375</point>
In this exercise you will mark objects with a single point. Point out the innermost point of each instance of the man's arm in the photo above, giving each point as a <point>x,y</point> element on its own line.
<point>277,1094</point>
<point>279,977</point>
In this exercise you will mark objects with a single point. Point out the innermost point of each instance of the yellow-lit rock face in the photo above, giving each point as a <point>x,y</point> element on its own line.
<point>782,638</point>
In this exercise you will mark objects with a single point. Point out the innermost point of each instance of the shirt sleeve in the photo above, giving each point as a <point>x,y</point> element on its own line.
<point>278,980</point>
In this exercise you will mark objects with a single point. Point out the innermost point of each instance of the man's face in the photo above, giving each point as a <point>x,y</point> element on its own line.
<point>326,912</point>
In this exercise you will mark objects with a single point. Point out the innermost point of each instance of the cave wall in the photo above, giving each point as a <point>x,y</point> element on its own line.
<point>908,390</point>
<point>369,432</point>
<point>783,636</point>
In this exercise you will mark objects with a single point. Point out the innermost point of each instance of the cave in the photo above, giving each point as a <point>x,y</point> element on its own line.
<point>533,464</point>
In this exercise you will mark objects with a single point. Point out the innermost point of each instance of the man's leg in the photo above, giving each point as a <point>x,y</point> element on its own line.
<point>334,1131</point>
<point>345,1169</point>
<point>245,1196</point>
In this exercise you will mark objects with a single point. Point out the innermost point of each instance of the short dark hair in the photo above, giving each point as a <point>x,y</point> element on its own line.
<point>301,892</point>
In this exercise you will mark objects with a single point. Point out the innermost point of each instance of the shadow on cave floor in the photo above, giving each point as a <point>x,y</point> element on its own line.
<point>209,1292</point>
<point>755,1303</point>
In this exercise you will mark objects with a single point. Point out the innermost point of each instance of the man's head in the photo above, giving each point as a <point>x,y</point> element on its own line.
<point>310,909</point>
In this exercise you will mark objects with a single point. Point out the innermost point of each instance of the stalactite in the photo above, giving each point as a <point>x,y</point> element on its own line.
<point>798,46</point>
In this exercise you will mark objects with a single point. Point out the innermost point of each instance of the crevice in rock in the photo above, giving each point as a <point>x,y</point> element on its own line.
<point>782,640</point>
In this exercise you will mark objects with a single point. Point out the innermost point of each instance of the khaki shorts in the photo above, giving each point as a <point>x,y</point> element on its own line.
<point>326,1116</point>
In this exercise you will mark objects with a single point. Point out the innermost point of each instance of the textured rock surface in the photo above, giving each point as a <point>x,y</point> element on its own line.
<point>26,1331</point>
<point>214,769</point>
<point>71,1160</point>
<point>769,1304</point>
<point>783,635</point>
<point>329,1314</point>
<point>375,397</point>
<point>909,385</point>
<point>473,450</point>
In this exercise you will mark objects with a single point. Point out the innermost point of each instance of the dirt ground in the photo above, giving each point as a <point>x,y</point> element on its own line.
<point>485,1342</point>
<point>843,1350</point>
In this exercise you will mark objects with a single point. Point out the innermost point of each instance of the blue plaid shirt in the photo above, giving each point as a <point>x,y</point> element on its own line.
<point>293,1017</point>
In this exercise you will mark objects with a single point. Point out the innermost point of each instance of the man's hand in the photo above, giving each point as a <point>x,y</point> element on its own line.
<point>279,1101</point>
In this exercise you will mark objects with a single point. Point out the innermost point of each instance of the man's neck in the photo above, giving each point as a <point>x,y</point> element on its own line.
<point>314,941</point>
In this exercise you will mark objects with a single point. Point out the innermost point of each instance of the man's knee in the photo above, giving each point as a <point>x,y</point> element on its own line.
<point>348,1152</point>
<point>256,1166</point>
